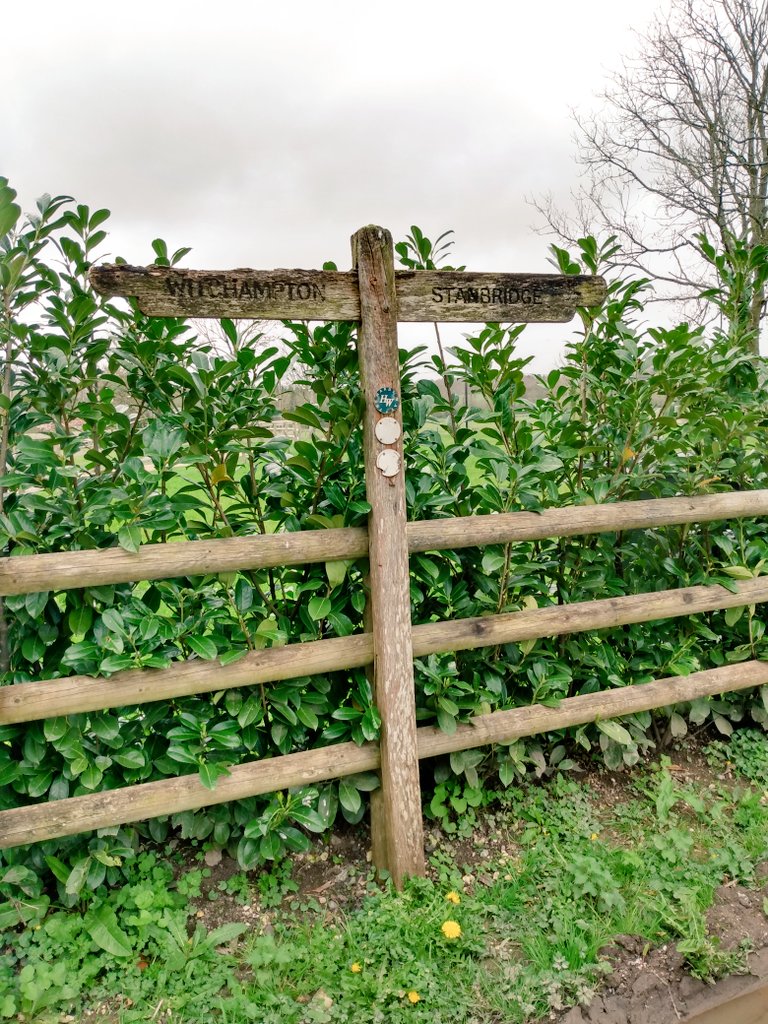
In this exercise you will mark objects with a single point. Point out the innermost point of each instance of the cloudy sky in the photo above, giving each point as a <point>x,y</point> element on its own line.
<point>264,134</point>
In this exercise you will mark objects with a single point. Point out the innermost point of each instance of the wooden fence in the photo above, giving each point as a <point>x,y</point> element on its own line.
<point>30,701</point>
<point>378,297</point>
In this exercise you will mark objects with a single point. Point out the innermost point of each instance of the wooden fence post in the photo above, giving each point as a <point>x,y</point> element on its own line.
<point>397,812</point>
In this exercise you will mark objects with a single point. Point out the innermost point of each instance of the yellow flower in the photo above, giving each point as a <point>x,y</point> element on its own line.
<point>413,997</point>
<point>355,968</point>
<point>453,897</point>
<point>451,929</point>
<point>594,836</point>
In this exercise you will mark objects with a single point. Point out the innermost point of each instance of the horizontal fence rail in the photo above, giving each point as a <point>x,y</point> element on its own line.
<point>376,295</point>
<point>27,574</point>
<point>50,698</point>
<point>73,815</point>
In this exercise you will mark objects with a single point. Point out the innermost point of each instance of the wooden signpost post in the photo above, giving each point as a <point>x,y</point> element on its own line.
<point>378,297</point>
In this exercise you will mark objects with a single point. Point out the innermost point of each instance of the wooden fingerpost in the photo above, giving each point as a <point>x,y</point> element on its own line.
<point>398,834</point>
<point>376,296</point>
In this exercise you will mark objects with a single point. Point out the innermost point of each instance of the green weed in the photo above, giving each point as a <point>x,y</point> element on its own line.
<point>746,752</point>
<point>504,940</point>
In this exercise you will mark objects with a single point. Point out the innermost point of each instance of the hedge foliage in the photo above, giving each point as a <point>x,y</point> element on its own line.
<point>120,429</point>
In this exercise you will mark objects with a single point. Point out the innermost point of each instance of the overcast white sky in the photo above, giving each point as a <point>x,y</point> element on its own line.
<point>265,134</point>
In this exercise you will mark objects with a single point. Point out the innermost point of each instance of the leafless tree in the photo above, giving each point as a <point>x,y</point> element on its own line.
<point>228,340</point>
<point>680,149</point>
<point>223,341</point>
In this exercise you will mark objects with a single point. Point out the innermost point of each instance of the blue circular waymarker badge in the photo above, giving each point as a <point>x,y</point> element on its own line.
<point>386,400</point>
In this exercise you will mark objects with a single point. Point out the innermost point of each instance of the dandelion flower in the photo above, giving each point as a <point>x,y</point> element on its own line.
<point>451,929</point>
<point>413,997</point>
<point>453,897</point>
<point>355,968</point>
<point>593,837</point>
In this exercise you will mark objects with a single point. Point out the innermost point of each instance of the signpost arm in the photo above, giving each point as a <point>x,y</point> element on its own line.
<point>398,810</point>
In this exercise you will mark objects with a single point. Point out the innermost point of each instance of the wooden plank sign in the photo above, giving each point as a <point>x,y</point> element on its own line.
<point>422,295</point>
<point>238,294</point>
<point>459,296</point>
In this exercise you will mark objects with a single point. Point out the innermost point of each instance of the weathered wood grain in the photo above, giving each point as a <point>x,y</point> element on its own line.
<point>576,520</point>
<point>38,822</point>
<point>749,1006</point>
<point>52,698</point>
<point>70,569</point>
<point>377,807</point>
<point>557,620</point>
<point>399,807</point>
<point>241,293</point>
<point>77,814</point>
<point>49,698</point>
<point>508,726</point>
<point>64,570</point>
<point>423,295</point>
<point>446,295</point>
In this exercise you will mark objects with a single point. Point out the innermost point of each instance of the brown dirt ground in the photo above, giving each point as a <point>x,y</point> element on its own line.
<point>651,986</point>
<point>648,985</point>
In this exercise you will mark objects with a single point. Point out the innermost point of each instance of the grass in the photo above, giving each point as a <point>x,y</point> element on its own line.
<point>500,936</point>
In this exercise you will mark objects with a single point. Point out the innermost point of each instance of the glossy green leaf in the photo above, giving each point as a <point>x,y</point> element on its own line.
<point>615,731</point>
<point>319,607</point>
<point>129,538</point>
<point>349,797</point>
<point>203,646</point>
<point>103,928</point>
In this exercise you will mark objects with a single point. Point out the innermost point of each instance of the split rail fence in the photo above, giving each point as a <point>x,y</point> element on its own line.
<point>393,642</point>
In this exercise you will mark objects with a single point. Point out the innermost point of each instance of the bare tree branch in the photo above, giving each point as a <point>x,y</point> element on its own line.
<point>681,148</point>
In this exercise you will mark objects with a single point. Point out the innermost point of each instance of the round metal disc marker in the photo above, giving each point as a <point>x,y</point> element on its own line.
<point>386,400</point>
<point>388,462</point>
<point>387,430</point>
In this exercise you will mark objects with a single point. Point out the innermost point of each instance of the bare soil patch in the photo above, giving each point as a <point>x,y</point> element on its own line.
<point>652,986</point>
<point>647,985</point>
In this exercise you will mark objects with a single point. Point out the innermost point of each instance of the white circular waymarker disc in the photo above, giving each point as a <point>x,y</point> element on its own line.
<point>387,430</point>
<point>388,462</point>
